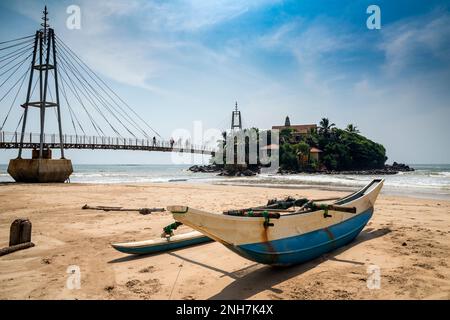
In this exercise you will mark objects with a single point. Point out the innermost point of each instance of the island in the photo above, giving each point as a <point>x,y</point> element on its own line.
<point>308,148</point>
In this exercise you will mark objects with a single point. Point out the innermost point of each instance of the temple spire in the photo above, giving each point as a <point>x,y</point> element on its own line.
<point>287,122</point>
<point>236,120</point>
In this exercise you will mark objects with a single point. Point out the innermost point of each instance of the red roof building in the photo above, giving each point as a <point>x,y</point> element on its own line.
<point>299,129</point>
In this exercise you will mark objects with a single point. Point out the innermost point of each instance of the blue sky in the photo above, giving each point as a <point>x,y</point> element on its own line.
<point>177,62</point>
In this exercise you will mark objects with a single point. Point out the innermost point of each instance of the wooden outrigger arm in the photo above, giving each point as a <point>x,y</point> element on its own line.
<point>140,210</point>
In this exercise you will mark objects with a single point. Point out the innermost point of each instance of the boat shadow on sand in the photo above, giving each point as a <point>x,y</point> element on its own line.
<point>256,278</point>
<point>266,277</point>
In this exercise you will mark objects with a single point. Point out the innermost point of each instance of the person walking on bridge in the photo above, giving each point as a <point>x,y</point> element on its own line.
<point>154,141</point>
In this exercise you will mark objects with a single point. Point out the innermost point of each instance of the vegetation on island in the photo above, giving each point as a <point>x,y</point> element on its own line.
<point>340,149</point>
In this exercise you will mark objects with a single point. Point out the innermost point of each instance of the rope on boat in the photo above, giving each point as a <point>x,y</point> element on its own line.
<point>267,222</point>
<point>274,207</point>
<point>314,207</point>
<point>286,203</point>
<point>168,230</point>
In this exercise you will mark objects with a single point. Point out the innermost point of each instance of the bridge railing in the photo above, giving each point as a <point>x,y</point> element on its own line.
<point>85,140</point>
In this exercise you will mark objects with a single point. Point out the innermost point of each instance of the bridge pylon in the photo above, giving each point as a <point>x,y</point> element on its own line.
<point>41,167</point>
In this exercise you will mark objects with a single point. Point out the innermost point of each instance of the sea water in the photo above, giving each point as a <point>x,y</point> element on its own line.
<point>427,180</point>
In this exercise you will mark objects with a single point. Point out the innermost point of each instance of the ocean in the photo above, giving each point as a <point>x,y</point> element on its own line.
<point>430,181</point>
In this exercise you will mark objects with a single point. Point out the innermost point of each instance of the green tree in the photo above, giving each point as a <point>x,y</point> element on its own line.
<point>352,128</point>
<point>288,157</point>
<point>325,126</point>
<point>302,152</point>
<point>286,135</point>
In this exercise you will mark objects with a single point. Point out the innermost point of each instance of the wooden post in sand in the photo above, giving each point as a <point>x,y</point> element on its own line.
<point>20,232</point>
<point>17,247</point>
<point>19,237</point>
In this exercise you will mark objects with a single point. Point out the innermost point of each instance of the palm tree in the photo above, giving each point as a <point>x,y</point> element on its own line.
<point>352,128</point>
<point>325,126</point>
<point>302,151</point>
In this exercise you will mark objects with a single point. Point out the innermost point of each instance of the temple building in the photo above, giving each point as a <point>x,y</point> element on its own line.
<point>314,154</point>
<point>299,129</point>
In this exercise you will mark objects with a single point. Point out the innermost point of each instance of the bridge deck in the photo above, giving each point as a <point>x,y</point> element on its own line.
<point>11,140</point>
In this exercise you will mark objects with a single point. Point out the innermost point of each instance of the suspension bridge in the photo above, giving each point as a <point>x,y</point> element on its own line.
<point>11,140</point>
<point>43,71</point>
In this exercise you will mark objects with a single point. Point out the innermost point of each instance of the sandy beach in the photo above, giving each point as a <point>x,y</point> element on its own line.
<point>408,238</point>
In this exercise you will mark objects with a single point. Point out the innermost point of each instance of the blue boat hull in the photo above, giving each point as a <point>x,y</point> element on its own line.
<point>301,248</point>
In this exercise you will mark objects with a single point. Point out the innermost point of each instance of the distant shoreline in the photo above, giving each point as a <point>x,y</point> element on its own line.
<point>419,194</point>
<point>428,181</point>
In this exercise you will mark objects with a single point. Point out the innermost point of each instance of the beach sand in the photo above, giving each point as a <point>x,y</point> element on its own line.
<point>408,238</point>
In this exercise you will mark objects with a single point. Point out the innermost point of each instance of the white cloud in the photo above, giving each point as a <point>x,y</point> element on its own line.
<point>309,42</point>
<point>152,48</point>
<point>313,45</point>
<point>193,15</point>
<point>416,41</point>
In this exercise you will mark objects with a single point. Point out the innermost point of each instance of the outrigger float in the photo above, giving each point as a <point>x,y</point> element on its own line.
<point>286,232</point>
<point>162,244</point>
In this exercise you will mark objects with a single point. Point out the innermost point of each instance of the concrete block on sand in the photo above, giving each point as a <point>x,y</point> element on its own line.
<point>40,170</point>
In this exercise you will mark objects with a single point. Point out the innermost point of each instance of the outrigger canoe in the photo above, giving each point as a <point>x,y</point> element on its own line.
<point>162,244</point>
<point>286,232</point>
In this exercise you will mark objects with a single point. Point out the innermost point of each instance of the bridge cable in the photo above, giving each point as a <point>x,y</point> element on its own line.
<point>17,51</point>
<point>15,45</point>
<point>106,104</point>
<point>18,124</point>
<point>70,108</point>
<point>75,94</point>
<point>19,64</point>
<point>63,68</point>
<point>75,89</point>
<point>124,113</point>
<point>14,101</point>
<point>71,113</point>
<point>7,92</point>
<point>104,101</point>
<point>90,96</point>
<point>87,93</point>
<point>8,41</point>
<point>103,82</point>
<point>15,55</point>
<point>54,109</point>
<point>89,72</point>
<point>51,98</point>
<point>34,87</point>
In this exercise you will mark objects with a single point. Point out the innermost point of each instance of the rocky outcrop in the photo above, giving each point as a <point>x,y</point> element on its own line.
<point>387,170</point>
<point>247,172</point>
<point>399,167</point>
<point>227,172</point>
<point>238,173</point>
<point>207,168</point>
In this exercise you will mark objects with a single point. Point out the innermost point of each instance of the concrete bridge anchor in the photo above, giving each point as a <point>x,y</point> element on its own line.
<point>41,167</point>
<point>40,170</point>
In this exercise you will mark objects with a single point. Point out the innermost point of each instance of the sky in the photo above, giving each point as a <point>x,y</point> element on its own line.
<point>181,61</point>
